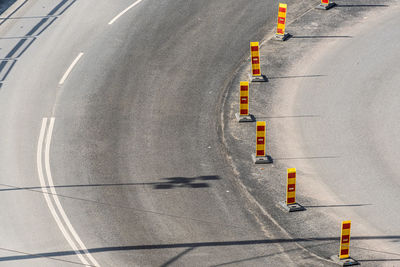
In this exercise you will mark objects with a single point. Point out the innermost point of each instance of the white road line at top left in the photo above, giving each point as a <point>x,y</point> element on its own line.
<point>124,11</point>
<point>70,68</point>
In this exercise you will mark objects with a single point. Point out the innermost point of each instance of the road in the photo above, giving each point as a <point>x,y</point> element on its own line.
<point>343,133</point>
<point>116,160</point>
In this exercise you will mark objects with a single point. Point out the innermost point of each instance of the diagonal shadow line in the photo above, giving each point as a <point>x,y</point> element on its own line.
<point>33,17</point>
<point>169,183</point>
<point>337,206</point>
<point>17,37</point>
<point>301,158</point>
<point>51,15</point>
<point>71,186</point>
<point>362,5</point>
<point>57,7</point>
<point>287,116</point>
<point>15,11</point>
<point>26,47</point>
<point>34,256</point>
<point>377,251</point>
<point>65,9</point>
<point>156,213</point>
<point>268,255</point>
<point>2,66</point>
<point>191,245</point>
<point>177,257</point>
<point>321,37</point>
<point>297,76</point>
<point>380,260</point>
<point>47,26</point>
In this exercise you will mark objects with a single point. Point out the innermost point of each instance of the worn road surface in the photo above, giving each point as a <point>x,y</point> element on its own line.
<point>109,144</point>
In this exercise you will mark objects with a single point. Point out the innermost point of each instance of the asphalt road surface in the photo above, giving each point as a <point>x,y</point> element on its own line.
<point>109,150</point>
<point>343,134</point>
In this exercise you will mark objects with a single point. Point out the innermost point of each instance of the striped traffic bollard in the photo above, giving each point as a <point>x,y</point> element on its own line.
<point>344,248</point>
<point>244,115</point>
<point>261,156</point>
<point>291,204</point>
<point>326,4</point>
<point>281,25</point>
<point>345,240</point>
<point>256,75</point>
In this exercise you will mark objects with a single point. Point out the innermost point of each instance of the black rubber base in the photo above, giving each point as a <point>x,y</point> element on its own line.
<point>261,78</point>
<point>245,118</point>
<point>292,207</point>
<point>344,262</point>
<point>262,160</point>
<point>326,7</point>
<point>282,37</point>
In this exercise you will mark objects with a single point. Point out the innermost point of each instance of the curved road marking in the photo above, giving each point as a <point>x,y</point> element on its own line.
<point>70,68</point>
<point>124,11</point>
<point>80,252</point>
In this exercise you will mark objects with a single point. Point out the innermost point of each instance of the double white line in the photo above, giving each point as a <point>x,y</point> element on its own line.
<point>51,197</point>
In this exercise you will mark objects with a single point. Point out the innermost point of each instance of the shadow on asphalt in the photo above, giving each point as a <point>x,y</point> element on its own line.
<point>20,48</point>
<point>378,260</point>
<point>5,4</point>
<point>301,158</point>
<point>185,182</point>
<point>168,183</point>
<point>340,5</point>
<point>25,256</point>
<point>320,37</point>
<point>297,76</point>
<point>338,206</point>
<point>287,117</point>
<point>174,259</point>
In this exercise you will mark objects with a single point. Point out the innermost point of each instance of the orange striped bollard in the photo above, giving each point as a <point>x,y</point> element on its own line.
<point>244,115</point>
<point>291,186</point>
<point>345,240</point>
<point>261,156</point>
<point>291,204</point>
<point>326,4</point>
<point>344,249</point>
<point>256,75</point>
<point>281,25</point>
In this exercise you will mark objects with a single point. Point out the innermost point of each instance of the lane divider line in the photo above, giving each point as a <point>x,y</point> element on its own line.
<point>55,196</point>
<point>124,11</point>
<point>47,196</point>
<point>80,252</point>
<point>65,76</point>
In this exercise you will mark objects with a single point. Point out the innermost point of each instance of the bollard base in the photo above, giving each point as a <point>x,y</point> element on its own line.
<point>261,78</point>
<point>262,160</point>
<point>326,7</point>
<point>292,207</point>
<point>245,118</point>
<point>344,262</point>
<point>282,37</point>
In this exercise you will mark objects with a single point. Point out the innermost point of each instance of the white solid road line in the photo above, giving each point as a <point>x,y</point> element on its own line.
<point>47,196</point>
<point>124,11</point>
<point>70,68</point>
<point>80,252</point>
<point>55,196</point>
